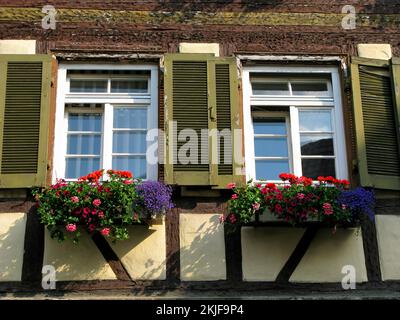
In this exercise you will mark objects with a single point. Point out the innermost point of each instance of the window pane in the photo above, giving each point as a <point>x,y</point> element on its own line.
<point>270,147</point>
<point>129,142</point>
<point>317,145</point>
<point>315,120</point>
<point>84,144</point>
<point>309,88</point>
<point>270,88</point>
<point>273,126</point>
<point>270,169</point>
<point>313,168</point>
<point>134,164</point>
<point>78,167</point>
<point>129,86</point>
<point>134,118</point>
<point>84,122</point>
<point>88,85</point>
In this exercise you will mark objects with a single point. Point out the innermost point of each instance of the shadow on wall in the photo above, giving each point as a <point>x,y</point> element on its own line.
<point>12,234</point>
<point>143,255</point>
<point>76,262</point>
<point>202,252</point>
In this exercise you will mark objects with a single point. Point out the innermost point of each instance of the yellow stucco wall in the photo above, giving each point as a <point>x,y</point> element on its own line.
<point>76,262</point>
<point>12,235</point>
<point>202,247</point>
<point>328,253</point>
<point>17,46</point>
<point>144,253</point>
<point>266,250</point>
<point>388,234</point>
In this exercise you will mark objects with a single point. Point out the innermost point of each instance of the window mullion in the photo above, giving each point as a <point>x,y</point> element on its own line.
<point>107,137</point>
<point>295,135</point>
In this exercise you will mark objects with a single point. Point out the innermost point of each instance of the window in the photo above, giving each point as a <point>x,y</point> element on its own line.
<point>104,114</point>
<point>293,122</point>
<point>271,146</point>
<point>129,140</point>
<point>83,144</point>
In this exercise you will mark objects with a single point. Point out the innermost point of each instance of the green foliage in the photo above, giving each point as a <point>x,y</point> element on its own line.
<point>245,202</point>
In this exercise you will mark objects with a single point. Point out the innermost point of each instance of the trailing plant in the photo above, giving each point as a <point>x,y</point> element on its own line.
<point>245,202</point>
<point>108,207</point>
<point>154,198</point>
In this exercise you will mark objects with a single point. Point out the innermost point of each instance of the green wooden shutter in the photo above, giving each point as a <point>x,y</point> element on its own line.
<point>24,119</point>
<point>200,94</point>
<point>376,121</point>
<point>225,148</point>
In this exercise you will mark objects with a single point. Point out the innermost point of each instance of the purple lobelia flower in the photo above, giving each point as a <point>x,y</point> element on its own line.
<point>155,197</point>
<point>359,201</point>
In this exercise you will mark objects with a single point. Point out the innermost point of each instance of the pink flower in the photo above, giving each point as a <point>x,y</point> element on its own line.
<point>108,190</point>
<point>221,218</point>
<point>256,206</point>
<point>96,202</point>
<point>92,227</point>
<point>232,218</point>
<point>128,181</point>
<point>74,199</point>
<point>70,227</point>
<point>101,214</point>
<point>105,231</point>
<point>234,196</point>
<point>94,212</point>
<point>328,210</point>
<point>300,196</point>
<point>86,211</point>
<point>231,185</point>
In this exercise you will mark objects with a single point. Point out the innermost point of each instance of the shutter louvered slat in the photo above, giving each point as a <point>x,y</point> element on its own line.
<point>379,124</point>
<point>22,112</point>
<point>223,104</point>
<point>190,107</point>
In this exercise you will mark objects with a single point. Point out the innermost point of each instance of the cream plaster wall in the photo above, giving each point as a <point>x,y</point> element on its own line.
<point>202,247</point>
<point>144,253</point>
<point>186,47</point>
<point>12,236</point>
<point>17,46</point>
<point>328,253</point>
<point>375,51</point>
<point>388,234</point>
<point>76,262</point>
<point>266,250</point>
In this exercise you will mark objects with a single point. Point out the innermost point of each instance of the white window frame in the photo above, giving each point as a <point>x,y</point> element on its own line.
<point>295,103</point>
<point>148,100</point>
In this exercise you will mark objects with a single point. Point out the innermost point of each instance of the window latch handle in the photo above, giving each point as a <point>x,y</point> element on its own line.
<point>213,114</point>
